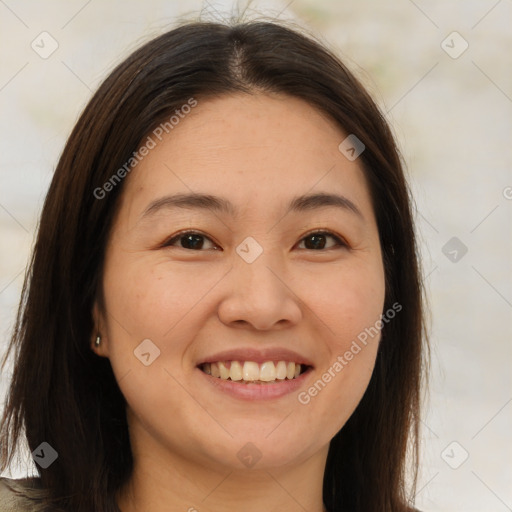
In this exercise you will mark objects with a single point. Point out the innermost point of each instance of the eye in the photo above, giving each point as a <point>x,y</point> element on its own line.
<point>318,240</point>
<point>189,240</point>
<point>194,240</point>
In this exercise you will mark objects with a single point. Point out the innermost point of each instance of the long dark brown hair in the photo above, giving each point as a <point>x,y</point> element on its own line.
<point>62,393</point>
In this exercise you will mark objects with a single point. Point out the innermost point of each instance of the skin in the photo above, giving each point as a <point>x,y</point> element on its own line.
<point>258,151</point>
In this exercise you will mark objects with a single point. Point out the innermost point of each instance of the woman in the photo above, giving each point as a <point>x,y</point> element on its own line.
<point>224,305</point>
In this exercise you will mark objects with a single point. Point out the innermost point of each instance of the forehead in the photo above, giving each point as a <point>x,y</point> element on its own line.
<point>257,149</point>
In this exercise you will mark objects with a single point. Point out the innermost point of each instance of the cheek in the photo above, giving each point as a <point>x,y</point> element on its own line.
<point>148,298</point>
<point>350,304</point>
<point>153,299</point>
<point>347,300</point>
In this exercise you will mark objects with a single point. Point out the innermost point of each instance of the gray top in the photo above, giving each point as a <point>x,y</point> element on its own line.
<point>21,495</point>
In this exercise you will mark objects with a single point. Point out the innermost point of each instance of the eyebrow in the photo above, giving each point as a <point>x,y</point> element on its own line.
<point>221,205</point>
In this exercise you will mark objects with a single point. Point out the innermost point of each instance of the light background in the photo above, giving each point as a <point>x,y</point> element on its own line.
<point>452,117</point>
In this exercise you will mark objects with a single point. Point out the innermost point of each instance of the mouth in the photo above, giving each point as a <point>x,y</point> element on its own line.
<point>251,372</point>
<point>255,373</point>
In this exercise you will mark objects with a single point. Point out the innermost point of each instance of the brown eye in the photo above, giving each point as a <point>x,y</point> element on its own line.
<point>191,240</point>
<point>318,238</point>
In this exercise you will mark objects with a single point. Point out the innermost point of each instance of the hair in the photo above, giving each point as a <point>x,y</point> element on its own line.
<point>63,393</point>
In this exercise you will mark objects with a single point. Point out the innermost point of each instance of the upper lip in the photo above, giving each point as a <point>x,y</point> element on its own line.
<point>257,355</point>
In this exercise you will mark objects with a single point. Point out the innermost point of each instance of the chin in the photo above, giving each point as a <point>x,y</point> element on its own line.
<point>257,450</point>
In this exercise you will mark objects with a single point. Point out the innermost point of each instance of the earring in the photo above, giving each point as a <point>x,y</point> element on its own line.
<point>98,341</point>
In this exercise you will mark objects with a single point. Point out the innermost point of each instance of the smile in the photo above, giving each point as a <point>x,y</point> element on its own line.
<point>252,372</point>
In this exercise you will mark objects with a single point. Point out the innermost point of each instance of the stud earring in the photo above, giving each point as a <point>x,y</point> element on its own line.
<point>98,341</point>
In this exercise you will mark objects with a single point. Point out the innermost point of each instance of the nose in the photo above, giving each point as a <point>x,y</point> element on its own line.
<point>259,294</point>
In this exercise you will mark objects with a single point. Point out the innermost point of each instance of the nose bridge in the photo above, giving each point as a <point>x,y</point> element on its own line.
<point>258,293</point>
<point>254,266</point>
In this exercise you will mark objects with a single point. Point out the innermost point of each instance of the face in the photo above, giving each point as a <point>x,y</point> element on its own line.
<point>258,282</point>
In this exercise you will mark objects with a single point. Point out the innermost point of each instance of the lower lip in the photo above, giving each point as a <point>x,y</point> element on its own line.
<point>252,391</point>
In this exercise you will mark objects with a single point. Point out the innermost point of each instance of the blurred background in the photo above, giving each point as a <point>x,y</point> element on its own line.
<point>440,71</point>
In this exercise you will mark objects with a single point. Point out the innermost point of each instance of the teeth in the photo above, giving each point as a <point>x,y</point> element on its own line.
<point>268,371</point>
<point>249,371</point>
<point>281,370</point>
<point>235,371</point>
<point>224,372</point>
<point>214,369</point>
<point>290,370</point>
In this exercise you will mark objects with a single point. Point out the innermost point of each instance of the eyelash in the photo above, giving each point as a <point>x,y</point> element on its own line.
<point>339,241</point>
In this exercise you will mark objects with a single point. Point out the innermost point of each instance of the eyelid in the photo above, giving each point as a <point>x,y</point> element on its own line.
<point>340,241</point>
<point>319,231</point>
<point>177,236</point>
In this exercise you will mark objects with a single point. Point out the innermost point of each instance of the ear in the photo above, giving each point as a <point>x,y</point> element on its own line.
<point>100,329</point>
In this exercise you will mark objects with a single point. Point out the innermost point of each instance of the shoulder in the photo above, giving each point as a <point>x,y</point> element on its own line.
<point>21,495</point>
